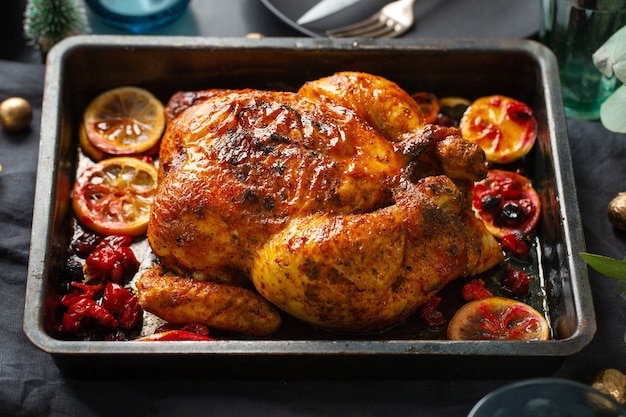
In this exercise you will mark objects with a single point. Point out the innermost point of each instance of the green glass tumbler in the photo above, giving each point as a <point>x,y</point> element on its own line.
<point>574,30</point>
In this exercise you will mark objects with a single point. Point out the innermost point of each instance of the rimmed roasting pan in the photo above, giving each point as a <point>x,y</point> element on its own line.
<point>82,66</point>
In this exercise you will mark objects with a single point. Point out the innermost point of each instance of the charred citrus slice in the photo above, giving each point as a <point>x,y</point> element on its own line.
<point>124,121</point>
<point>429,104</point>
<point>505,128</point>
<point>506,202</point>
<point>87,147</point>
<point>498,318</point>
<point>114,196</point>
<point>97,155</point>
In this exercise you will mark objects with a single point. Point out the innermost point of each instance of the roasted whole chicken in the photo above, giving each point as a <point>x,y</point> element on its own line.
<point>336,204</point>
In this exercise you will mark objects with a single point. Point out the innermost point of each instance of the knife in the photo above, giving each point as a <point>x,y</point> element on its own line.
<point>324,8</point>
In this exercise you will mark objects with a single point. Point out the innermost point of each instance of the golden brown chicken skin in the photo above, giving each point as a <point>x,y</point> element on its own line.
<point>237,168</point>
<point>380,102</point>
<point>182,301</point>
<point>365,272</point>
<point>337,202</point>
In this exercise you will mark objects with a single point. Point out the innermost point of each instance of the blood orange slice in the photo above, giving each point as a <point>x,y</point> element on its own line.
<point>506,202</point>
<point>429,103</point>
<point>498,318</point>
<point>114,196</point>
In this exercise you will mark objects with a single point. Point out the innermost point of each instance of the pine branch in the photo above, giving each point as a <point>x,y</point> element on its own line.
<point>47,22</point>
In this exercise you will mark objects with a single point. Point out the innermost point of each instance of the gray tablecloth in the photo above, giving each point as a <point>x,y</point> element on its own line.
<point>31,385</point>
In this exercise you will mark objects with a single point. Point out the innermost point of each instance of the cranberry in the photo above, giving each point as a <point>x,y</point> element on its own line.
<point>122,304</point>
<point>511,215</point>
<point>196,328</point>
<point>516,242</point>
<point>112,260</point>
<point>433,317</point>
<point>103,258</point>
<point>476,289</point>
<point>126,257</point>
<point>527,206</point>
<point>74,269</point>
<point>79,291</point>
<point>73,296</point>
<point>514,283</point>
<point>116,241</point>
<point>116,273</point>
<point>85,310</point>
<point>84,244</point>
<point>429,313</point>
<point>114,297</point>
<point>132,314</point>
<point>119,311</point>
<point>490,202</point>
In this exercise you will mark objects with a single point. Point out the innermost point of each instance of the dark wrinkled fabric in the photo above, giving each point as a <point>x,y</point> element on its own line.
<point>31,385</point>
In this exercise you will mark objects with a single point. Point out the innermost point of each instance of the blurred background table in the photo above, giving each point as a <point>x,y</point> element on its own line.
<point>435,18</point>
<point>30,383</point>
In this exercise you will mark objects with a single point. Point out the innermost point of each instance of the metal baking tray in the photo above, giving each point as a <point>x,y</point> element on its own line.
<point>83,66</point>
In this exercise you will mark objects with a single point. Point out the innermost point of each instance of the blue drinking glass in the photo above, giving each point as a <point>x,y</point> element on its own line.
<point>138,16</point>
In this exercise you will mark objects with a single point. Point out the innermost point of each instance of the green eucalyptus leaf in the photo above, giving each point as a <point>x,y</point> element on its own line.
<point>610,267</point>
<point>619,68</point>
<point>611,53</point>
<point>612,111</point>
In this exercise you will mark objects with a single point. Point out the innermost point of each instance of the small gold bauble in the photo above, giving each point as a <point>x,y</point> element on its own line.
<point>617,211</point>
<point>611,382</point>
<point>15,114</point>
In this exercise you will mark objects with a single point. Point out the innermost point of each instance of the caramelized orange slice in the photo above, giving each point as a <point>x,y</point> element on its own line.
<point>505,128</point>
<point>124,121</point>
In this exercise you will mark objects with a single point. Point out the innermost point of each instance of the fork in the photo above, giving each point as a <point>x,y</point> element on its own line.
<point>389,22</point>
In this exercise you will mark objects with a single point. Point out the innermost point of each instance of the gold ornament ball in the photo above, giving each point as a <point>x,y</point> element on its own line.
<point>15,114</point>
<point>611,382</point>
<point>617,211</point>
